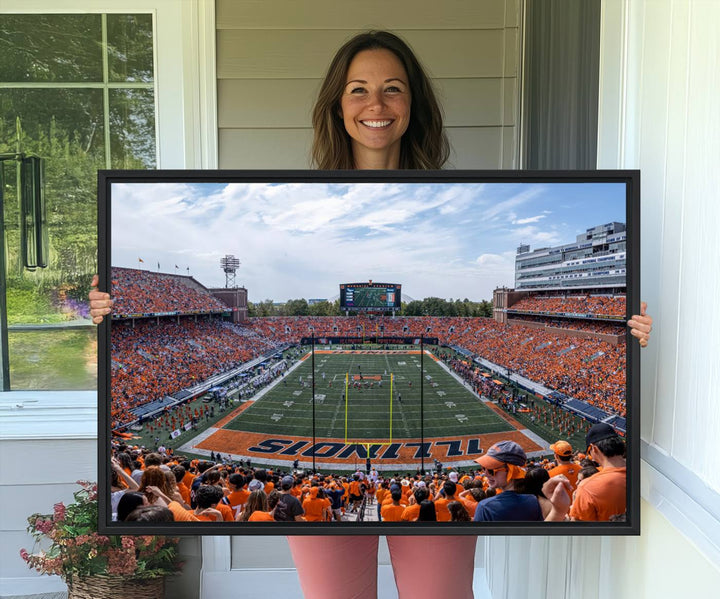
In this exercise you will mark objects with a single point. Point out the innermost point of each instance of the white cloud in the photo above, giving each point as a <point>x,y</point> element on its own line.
<point>530,219</point>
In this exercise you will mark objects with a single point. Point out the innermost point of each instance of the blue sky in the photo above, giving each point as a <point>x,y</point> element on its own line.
<point>303,239</point>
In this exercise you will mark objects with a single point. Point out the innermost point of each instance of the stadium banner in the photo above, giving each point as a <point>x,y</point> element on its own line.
<point>321,342</point>
<point>368,340</point>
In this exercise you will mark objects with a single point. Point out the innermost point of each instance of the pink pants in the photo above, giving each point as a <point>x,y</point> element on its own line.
<point>346,566</point>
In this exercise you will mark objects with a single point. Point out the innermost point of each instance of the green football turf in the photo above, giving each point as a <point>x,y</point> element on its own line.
<point>450,409</point>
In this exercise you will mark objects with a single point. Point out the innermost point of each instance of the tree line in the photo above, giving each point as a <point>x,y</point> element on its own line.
<point>430,306</point>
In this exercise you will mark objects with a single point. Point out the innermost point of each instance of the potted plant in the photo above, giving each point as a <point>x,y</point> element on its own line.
<point>95,566</point>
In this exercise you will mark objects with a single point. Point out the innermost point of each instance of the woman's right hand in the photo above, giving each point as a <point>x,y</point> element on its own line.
<point>100,302</point>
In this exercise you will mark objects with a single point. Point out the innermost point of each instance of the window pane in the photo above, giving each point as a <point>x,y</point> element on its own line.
<point>56,359</point>
<point>75,117</point>
<point>65,127</point>
<point>130,47</point>
<point>132,128</point>
<point>50,48</point>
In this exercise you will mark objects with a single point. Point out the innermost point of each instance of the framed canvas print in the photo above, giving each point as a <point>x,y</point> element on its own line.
<point>396,352</point>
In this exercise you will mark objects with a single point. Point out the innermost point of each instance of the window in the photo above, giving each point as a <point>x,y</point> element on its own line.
<point>77,90</point>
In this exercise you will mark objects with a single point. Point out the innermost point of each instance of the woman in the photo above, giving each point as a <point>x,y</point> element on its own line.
<point>257,506</point>
<point>376,109</point>
<point>153,476</point>
<point>458,513</point>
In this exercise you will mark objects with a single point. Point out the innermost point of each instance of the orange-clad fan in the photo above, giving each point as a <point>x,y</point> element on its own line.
<point>315,506</point>
<point>393,511</point>
<point>603,495</point>
<point>565,464</point>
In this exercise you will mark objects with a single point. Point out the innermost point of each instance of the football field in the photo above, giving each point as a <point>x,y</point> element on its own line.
<point>369,396</point>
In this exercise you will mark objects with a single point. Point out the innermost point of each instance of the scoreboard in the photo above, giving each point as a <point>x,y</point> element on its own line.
<point>370,296</point>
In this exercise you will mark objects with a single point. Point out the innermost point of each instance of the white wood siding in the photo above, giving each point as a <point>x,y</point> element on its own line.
<point>658,111</point>
<point>271,58</point>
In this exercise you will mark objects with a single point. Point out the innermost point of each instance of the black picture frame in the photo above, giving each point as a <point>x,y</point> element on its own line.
<point>629,178</point>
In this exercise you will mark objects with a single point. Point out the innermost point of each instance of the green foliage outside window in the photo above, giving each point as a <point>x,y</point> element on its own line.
<point>81,89</point>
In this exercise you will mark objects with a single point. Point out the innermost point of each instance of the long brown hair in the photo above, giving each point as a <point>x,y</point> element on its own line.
<point>257,501</point>
<point>153,476</point>
<point>424,144</point>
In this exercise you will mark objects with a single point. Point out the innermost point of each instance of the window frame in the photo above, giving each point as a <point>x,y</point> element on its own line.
<point>185,130</point>
<point>181,29</point>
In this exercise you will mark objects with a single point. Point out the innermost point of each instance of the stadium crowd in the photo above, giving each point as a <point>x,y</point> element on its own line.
<point>153,358</point>
<point>587,326</point>
<point>507,486</point>
<point>597,305</point>
<point>143,292</point>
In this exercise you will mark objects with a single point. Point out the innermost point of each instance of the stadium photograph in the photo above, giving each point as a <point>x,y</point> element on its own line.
<point>353,351</point>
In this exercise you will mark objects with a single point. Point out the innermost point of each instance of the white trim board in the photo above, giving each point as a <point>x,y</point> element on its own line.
<point>690,506</point>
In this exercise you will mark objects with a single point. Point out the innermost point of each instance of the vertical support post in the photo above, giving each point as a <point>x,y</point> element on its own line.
<point>312,390</point>
<point>422,403</point>
<point>4,352</point>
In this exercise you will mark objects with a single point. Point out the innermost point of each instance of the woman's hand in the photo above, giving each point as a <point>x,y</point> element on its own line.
<point>100,302</point>
<point>641,325</point>
<point>160,497</point>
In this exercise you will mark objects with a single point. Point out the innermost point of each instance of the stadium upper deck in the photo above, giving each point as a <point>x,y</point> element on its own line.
<point>141,292</point>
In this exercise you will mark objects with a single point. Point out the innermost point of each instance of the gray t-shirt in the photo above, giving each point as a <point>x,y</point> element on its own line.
<point>287,508</point>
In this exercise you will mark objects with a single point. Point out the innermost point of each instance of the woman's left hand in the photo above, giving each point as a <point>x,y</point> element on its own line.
<point>641,325</point>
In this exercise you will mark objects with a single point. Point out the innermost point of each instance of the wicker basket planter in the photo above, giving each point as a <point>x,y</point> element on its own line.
<point>116,587</point>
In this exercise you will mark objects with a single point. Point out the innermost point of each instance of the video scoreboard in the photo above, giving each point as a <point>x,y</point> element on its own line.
<point>370,296</point>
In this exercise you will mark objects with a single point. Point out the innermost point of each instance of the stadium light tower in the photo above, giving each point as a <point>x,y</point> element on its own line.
<point>229,264</point>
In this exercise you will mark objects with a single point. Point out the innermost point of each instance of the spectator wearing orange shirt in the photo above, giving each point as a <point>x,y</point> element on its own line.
<point>393,511</point>
<point>315,506</point>
<point>238,495</point>
<point>445,496</point>
<point>256,502</point>
<point>471,497</point>
<point>412,512</point>
<point>454,477</point>
<point>355,493</point>
<point>565,464</point>
<point>382,492</point>
<point>207,498</point>
<point>603,495</point>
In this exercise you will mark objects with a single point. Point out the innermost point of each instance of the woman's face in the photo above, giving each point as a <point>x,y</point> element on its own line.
<point>375,106</point>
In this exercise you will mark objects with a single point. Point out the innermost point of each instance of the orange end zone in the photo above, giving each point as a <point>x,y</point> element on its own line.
<point>262,446</point>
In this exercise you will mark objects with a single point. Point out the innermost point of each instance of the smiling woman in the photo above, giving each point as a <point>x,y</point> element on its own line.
<point>364,105</point>
<point>375,108</point>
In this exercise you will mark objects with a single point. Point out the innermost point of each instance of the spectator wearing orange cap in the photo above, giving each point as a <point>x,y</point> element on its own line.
<point>503,465</point>
<point>565,464</point>
<point>603,495</point>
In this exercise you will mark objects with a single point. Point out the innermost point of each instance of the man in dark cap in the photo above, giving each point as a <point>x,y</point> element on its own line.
<point>288,508</point>
<point>603,495</point>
